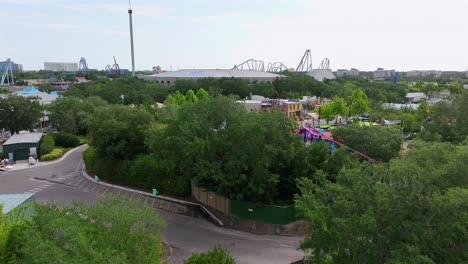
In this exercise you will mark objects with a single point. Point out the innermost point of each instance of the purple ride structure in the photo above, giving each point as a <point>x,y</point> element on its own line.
<point>311,133</point>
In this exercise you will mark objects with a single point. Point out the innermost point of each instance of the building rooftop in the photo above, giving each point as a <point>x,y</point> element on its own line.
<point>212,73</point>
<point>399,106</point>
<point>24,138</point>
<point>11,201</point>
<point>417,94</point>
<point>31,91</point>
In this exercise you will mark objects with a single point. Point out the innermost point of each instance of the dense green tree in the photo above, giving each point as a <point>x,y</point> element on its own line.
<point>378,142</point>
<point>190,96</point>
<point>135,91</point>
<point>449,122</point>
<point>119,131</point>
<point>19,113</point>
<point>47,88</point>
<point>224,148</point>
<point>415,212</point>
<point>184,86</point>
<point>359,102</point>
<point>3,235</point>
<point>455,87</point>
<point>430,89</point>
<point>264,89</point>
<point>327,112</point>
<point>176,98</point>
<point>202,94</point>
<point>68,114</point>
<point>114,230</point>
<point>217,255</point>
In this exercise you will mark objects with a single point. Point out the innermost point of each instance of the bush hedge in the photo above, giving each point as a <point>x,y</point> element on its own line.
<point>146,172</point>
<point>54,154</point>
<point>66,140</point>
<point>47,145</point>
<point>142,172</point>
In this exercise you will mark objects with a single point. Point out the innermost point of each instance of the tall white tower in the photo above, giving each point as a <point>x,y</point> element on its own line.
<point>131,37</point>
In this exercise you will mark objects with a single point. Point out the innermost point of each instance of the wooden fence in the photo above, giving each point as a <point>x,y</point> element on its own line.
<point>212,199</point>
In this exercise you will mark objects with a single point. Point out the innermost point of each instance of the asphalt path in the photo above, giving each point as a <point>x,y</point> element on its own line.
<point>62,182</point>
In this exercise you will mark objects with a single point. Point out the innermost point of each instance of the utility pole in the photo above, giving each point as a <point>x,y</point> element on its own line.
<point>131,37</point>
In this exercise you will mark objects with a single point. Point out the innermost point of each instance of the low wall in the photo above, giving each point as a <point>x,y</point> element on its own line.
<point>245,210</point>
<point>264,213</point>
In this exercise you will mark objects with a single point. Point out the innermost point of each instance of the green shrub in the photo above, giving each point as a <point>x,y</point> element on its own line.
<point>116,171</point>
<point>143,172</point>
<point>146,173</point>
<point>3,235</point>
<point>55,154</point>
<point>66,140</point>
<point>217,255</point>
<point>14,242</point>
<point>47,145</point>
<point>83,140</point>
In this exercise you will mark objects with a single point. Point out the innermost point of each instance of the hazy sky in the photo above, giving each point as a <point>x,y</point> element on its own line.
<point>365,34</point>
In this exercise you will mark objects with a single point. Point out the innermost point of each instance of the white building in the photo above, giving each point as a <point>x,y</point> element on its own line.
<point>61,66</point>
<point>381,74</point>
<point>343,72</point>
<point>415,97</point>
<point>321,74</point>
<point>170,77</point>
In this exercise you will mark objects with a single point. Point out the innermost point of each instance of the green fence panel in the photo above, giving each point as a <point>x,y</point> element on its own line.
<point>265,213</point>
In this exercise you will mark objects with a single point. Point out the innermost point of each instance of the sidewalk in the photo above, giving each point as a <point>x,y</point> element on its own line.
<point>24,164</point>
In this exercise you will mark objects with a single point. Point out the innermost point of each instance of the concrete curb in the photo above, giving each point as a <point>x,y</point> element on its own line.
<point>203,208</point>
<point>45,163</point>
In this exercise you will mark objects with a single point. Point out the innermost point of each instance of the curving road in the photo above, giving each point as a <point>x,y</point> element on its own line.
<point>62,182</point>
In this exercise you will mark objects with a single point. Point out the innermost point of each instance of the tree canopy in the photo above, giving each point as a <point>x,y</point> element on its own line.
<point>119,131</point>
<point>413,213</point>
<point>378,142</point>
<point>114,230</point>
<point>19,113</point>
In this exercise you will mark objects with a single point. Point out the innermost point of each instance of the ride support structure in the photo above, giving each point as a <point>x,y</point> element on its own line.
<point>311,133</point>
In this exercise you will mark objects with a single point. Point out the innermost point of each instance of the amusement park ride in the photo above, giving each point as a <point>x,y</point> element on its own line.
<point>114,69</point>
<point>7,75</point>
<point>304,66</point>
<point>311,133</point>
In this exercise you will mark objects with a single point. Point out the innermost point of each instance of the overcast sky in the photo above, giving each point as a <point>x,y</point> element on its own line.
<point>365,34</point>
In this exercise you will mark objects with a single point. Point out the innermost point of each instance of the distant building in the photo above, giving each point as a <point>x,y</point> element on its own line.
<point>14,67</point>
<point>292,108</point>
<point>415,97</point>
<point>61,66</point>
<point>81,79</point>
<point>321,74</point>
<point>381,74</point>
<point>22,146</point>
<point>44,98</point>
<point>170,77</point>
<point>423,73</point>
<point>399,106</point>
<point>343,72</point>
<point>251,105</point>
<point>36,81</point>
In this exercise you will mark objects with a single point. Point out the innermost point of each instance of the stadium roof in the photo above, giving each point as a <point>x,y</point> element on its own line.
<point>212,73</point>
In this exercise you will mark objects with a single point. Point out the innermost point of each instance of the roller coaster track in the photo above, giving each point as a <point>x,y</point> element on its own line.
<point>311,133</point>
<point>252,65</point>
